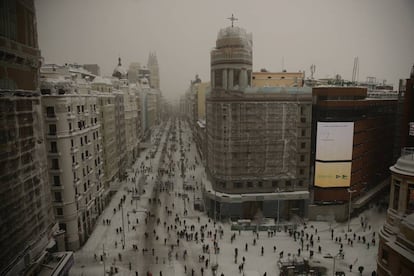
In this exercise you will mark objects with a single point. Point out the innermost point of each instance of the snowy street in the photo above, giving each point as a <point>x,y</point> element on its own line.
<point>164,235</point>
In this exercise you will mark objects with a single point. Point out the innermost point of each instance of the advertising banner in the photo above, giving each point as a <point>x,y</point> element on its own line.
<point>334,141</point>
<point>332,174</point>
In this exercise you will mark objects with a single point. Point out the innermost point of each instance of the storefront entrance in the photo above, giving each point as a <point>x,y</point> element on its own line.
<point>251,208</point>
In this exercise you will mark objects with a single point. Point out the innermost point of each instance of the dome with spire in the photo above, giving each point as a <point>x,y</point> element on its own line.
<point>120,72</point>
<point>234,37</point>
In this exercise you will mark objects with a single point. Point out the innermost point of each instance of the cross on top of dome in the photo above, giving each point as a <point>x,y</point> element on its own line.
<point>232,19</point>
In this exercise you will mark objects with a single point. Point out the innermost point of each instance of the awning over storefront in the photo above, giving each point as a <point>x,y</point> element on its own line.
<point>238,198</point>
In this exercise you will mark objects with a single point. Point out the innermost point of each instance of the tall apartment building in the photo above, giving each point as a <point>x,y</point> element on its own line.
<point>258,139</point>
<point>139,134</point>
<point>120,136</point>
<point>74,149</point>
<point>193,109</point>
<point>396,237</point>
<point>202,89</point>
<point>347,156</point>
<point>132,124</point>
<point>191,102</point>
<point>133,72</point>
<point>27,227</point>
<point>407,111</point>
<point>200,130</point>
<point>93,68</point>
<point>152,65</point>
<point>149,110</point>
<point>130,112</point>
<point>102,87</point>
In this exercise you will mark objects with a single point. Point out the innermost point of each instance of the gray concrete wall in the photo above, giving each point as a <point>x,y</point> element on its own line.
<point>328,212</point>
<point>231,210</point>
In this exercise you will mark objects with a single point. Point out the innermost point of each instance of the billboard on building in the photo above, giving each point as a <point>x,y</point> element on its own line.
<point>332,174</point>
<point>334,141</point>
<point>334,144</point>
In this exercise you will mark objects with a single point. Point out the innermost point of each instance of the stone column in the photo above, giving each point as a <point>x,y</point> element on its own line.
<point>231,76</point>
<point>225,78</point>
<point>243,78</point>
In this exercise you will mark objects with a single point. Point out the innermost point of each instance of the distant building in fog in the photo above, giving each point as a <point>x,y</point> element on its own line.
<point>154,77</point>
<point>133,72</point>
<point>93,68</point>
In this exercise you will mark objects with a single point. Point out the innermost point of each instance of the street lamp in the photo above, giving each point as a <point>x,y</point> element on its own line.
<point>334,260</point>
<point>123,226</point>
<point>349,205</point>
<point>103,257</point>
<point>278,207</point>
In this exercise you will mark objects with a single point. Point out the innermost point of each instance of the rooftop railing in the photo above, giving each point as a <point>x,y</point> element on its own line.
<point>407,153</point>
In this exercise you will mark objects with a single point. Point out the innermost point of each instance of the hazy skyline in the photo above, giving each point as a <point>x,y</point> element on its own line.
<point>327,33</point>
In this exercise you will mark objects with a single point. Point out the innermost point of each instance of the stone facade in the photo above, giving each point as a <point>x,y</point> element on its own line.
<point>258,139</point>
<point>74,145</point>
<point>27,220</point>
<point>395,251</point>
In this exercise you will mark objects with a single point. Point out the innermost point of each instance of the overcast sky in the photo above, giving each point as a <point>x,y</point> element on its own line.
<point>327,33</point>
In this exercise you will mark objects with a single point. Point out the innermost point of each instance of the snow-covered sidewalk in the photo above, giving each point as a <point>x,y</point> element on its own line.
<point>182,234</point>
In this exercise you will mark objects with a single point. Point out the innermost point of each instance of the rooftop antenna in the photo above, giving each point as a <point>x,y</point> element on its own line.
<point>312,69</point>
<point>232,19</point>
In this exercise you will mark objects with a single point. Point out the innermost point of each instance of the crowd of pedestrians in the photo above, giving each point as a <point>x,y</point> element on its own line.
<point>170,230</point>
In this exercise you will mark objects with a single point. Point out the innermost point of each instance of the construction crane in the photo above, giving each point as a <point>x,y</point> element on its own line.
<point>355,71</point>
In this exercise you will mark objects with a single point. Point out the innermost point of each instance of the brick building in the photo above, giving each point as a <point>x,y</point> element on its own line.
<point>350,157</point>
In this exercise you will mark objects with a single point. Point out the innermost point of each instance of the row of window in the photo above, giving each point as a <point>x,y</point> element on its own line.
<point>50,110</point>
<point>58,198</point>
<point>236,107</point>
<point>302,119</point>
<point>81,108</point>
<point>219,77</point>
<point>408,202</point>
<point>84,139</point>
<point>82,124</point>
<point>261,184</point>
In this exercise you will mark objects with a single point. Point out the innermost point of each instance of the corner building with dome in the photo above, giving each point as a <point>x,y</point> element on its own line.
<point>258,138</point>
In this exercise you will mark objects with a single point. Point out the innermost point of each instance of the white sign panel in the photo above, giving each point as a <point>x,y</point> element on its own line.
<point>411,131</point>
<point>334,141</point>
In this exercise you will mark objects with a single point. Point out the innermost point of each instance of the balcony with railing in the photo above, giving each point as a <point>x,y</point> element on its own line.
<point>55,187</point>
<point>75,165</point>
<point>51,118</point>
<point>408,153</point>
